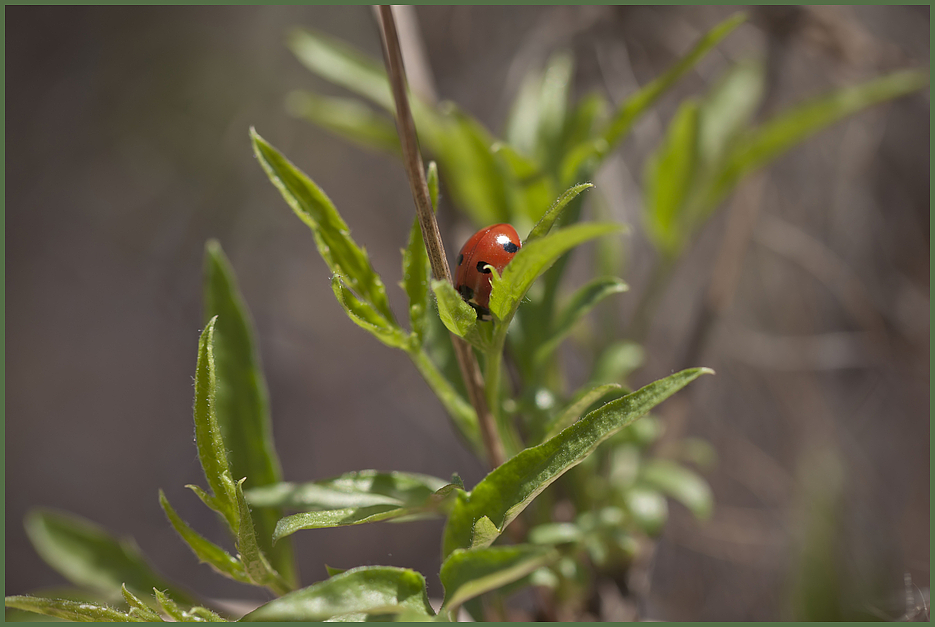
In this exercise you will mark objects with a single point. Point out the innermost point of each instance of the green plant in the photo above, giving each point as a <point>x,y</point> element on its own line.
<point>550,433</point>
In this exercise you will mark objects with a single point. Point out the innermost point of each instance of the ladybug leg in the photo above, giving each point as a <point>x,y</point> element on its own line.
<point>482,312</point>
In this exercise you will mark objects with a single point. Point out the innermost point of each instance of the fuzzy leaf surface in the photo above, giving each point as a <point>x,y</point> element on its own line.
<point>582,400</point>
<point>211,450</point>
<point>242,399</point>
<point>205,550</point>
<point>78,611</point>
<point>368,589</point>
<point>367,318</point>
<point>507,490</point>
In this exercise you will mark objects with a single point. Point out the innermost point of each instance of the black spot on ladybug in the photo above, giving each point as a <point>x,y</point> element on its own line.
<point>466,292</point>
<point>460,259</point>
<point>482,267</point>
<point>510,247</point>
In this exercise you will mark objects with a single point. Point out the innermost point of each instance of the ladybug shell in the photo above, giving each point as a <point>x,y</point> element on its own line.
<point>491,246</point>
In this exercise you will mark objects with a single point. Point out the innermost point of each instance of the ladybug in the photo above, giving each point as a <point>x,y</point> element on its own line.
<point>491,246</point>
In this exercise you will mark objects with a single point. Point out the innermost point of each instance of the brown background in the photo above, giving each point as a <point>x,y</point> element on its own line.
<point>127,148</point>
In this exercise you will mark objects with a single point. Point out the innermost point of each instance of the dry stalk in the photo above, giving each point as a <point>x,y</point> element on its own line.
<point>412,159</point>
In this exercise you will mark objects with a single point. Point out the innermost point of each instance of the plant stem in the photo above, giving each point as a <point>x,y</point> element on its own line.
<point>412,159</point>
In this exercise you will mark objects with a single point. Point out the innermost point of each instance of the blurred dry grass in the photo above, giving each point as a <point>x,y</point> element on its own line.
<point>127,148</point>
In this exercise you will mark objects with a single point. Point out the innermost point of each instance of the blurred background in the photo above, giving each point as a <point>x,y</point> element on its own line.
<point>127,148</point>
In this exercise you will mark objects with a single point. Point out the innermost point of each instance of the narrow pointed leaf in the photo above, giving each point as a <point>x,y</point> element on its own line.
<point>332,236</point>
<point>577,407</point>
<point>138,607</point>
<point>367,318</point>
<point>416,276</point>
<point>79,611</point>
<point>681,484</point>
<point>460,411</point>
<point>668,180</point>
<point>368,589</point>
<point>535,258</point>
<point>727,109</point>
<point>340,518</point>
<point>205,550</point>
<point>242,399</point>
<point>169,606</point>
<point>637,104</point>
<point>506,491</point>
<point>470,573</point>
<point>777,135</point>
<point>544,225</point>
<point>254,561</point>
<point>354,489</point>
<point>88,556</point>
<point>341,64</point>
<point>588,155</point>
<point>348,118</point>
<point>581,302</point>
<point>208,437</point>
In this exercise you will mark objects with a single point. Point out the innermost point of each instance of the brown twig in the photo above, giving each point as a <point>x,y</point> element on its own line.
<point>412,159</point>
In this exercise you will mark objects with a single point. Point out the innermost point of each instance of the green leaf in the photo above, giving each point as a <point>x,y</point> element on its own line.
<point>647,508</point>
<point>354,489</point>
<point>637,104</point>
<point>588,155</point>
<point>727,109</point>
<point>89,556</point>
<point>367,318</point>
<point>211,449</point>
<point>80,611</point>
<point>581,302</point>
<point>353,498</point>
<point>458,317</point>
<point>545,223</point>
<point>507,490</point>
<point>342,64</point>
<point>254,561</point>
<point>784,130</point>
<point>348,118</point>
<point>170,607</point>
<point>332,236</point>
<point>138,607</point>
<point>368,589</point>
<point>470,573</point>
<point>555,533</point>
<point>667,181</point>
<point>206,551</point>
<point>416,276</point>
<point>582,400</point>
<point>681,484</point>
<point>242,400</point>
<point>533,259</point>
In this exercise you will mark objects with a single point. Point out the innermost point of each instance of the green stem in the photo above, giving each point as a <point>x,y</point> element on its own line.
<point>460,411</point>
<point>493,362</point>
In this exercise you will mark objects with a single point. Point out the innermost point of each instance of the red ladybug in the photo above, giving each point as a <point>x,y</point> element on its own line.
<point>491,246</point>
